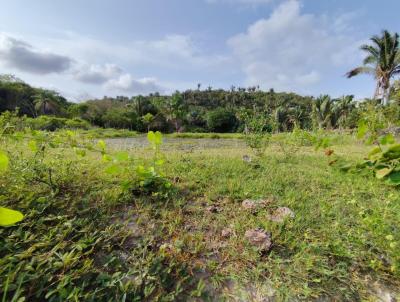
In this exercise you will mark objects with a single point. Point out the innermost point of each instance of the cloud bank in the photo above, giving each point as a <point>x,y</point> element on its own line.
<point>22,56</point>
<point>291,50</point>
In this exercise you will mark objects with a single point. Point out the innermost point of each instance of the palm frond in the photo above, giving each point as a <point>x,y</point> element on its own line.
<point>360,70</point>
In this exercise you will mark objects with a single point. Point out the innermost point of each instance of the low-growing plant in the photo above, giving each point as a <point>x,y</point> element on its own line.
<point>290,143</point>
<point>150,178</point>
<point>7,216</point>
<point>384,159</point>
<point>256,134</point>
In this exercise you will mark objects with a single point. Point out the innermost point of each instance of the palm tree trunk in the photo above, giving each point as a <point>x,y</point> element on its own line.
<point>376,90</point>
<point>385,99</point>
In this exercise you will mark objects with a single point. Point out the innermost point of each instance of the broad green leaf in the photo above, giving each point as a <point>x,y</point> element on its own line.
<point>106,158</point>
<point>158,138</point>
<point>113,169</point>
<point>394,178</point>
<point>140,169</point>
<point>387,139</point>
<point>9,217</point>
<point>70,133</point>
<point>374,152</point>
<point>122,156</point>
<point>155,139</point>
<point>393,152</point>
<point>159,162</point>
<point>102,145</point>
<point>4,161</point>
<point>383,172</point>
<point>151,137</point>
<point>362,129</point>
<point>32,145</point>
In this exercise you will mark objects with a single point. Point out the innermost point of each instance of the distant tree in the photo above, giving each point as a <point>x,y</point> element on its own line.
<point>323,111</point>
<point>175,109</point>
<point>343,109</point>
<point>147,119</point>
<point>382,62</point>
<point>48,102</point>
<point>221,120</point>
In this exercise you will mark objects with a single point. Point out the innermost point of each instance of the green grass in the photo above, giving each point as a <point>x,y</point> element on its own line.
<point>91,240</point>
<point>105,133</point>
<point>206,135</point>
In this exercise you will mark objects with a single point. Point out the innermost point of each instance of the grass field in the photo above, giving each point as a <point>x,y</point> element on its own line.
<point>84,238</point>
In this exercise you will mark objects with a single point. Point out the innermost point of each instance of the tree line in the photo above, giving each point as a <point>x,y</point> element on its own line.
<point>218,110</point>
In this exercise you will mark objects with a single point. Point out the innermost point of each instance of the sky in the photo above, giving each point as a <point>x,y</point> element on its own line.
<point>94,48</point>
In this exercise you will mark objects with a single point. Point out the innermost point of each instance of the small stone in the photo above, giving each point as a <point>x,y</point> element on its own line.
<point>213,209</point>
<point>251,204</point>
<point>226,233</point>
<point>280,214</point>
<point>246,158</point>
<point>260,239</point>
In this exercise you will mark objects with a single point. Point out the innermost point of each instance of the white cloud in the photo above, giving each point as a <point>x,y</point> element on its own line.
<point>97,74</point>
<point>18,54</point>
<point>127,84</point>
<point>290,50</point>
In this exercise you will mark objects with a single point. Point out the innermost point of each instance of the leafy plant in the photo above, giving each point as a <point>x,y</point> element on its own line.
<point>7,216</point>
<point>150,178</point>
<point>256,135</point>
<point>384,159</point>
<point>291,142</point>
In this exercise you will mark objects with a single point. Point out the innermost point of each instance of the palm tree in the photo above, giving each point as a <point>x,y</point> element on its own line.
<point>46,102</point>
<point>382,61</point>
<point>323,111</point>
<point>342,109</point>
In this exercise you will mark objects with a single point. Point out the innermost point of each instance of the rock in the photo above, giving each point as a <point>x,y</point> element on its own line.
<point>280,214</point>
<point>251,204</point>
<point>260,239</point>
<point>246,158</point>
<point>226,233</point>
<point>213,209</point>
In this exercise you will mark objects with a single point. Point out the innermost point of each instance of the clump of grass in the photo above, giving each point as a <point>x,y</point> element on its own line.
<point>92,240</point>
<point>106,133</point>
<point>206,135</point>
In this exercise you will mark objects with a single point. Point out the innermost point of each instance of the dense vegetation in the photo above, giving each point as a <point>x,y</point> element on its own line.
<point>299,202</point>
<point>189,111</point>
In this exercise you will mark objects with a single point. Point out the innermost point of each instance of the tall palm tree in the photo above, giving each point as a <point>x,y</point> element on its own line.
<point>382,61</point>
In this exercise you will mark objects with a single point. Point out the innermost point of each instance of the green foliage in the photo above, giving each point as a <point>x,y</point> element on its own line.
<point>221,120</point>
<point>382,61</point>
<point>147,119</point>
<point>290,143</point>
<point>150,178</point>
<point>371,124</point>
<point>11,122</point>
<point>9,217</point>
<point>52,123</point>
<point>384,159</point>
<point>256,135</point>
<point>4,161</point>
<point>67,234</point>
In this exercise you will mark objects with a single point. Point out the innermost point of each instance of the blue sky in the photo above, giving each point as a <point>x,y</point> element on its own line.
<point>93,48</point>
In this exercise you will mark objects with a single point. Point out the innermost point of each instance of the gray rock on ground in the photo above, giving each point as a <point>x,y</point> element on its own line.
<point>255,204</point>
<point>280,214</point>
<point>260,239</point>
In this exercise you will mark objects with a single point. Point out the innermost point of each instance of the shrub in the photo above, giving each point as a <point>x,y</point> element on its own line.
<point>51,123</point>
<point>221,120</point>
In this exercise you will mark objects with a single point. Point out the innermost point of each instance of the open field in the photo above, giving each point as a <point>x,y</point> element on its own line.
<point>85,238</point>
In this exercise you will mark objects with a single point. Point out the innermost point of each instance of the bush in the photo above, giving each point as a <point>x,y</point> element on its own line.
<point>221,120</point>
<point>51,123</point>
